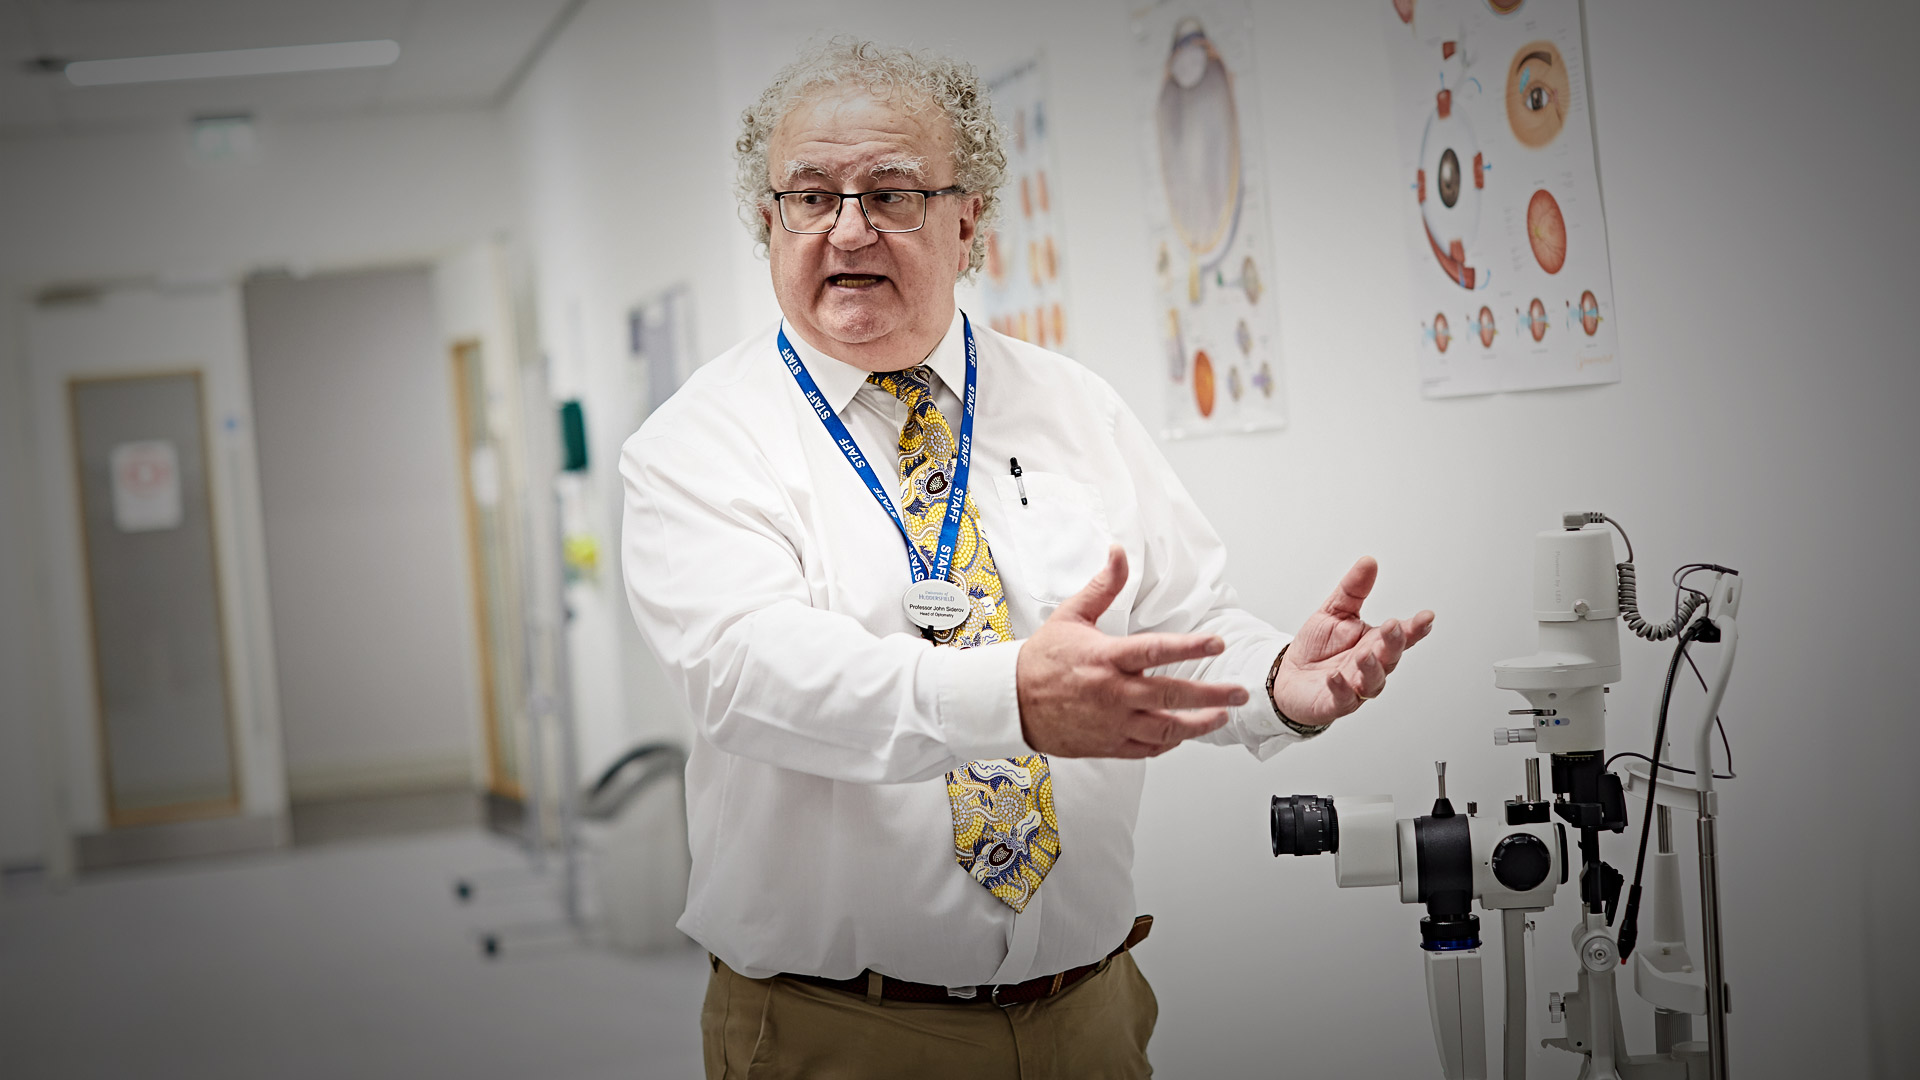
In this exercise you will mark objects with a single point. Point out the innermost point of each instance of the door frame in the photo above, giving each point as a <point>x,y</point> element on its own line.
<point>118,816</point>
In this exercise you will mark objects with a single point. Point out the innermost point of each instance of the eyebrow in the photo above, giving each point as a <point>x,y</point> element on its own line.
<point>798,168</point>
<point>913,168</point>
<point>1535,55</point>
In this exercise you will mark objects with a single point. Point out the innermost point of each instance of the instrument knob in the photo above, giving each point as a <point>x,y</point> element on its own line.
<point>1521,861</point>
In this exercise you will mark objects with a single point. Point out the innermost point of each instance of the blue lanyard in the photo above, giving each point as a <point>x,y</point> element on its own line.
<point>957,489</point>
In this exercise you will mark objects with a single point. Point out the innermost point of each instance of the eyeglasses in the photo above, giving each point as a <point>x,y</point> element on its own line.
<point>888,210</point>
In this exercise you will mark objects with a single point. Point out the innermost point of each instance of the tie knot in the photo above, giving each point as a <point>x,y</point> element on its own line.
<point>910,385</point>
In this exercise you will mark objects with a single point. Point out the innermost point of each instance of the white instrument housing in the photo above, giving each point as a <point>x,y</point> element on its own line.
<point>1576,602</point>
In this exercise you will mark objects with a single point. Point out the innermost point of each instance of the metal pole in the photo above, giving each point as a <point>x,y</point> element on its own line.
<point>534,790</point>
<point>533,786</point>
<point>569,748</point>
<point>1726,598</point>
<point>533,388</point>
<point>1710,940</point>
<point>1513,930</point>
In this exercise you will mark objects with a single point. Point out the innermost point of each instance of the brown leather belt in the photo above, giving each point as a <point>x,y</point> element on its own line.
<point>872,985</point>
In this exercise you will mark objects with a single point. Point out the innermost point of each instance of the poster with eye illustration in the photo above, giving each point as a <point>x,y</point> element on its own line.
<point>1021,291</point>
<point>1211,253</point>
<point>1510,280</point>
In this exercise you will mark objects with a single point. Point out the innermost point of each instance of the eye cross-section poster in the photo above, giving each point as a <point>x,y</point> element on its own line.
<point>1510,283</point>
<point>1212,253</point>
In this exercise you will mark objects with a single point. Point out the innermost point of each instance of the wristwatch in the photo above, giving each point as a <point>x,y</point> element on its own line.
<point>1305,731</point>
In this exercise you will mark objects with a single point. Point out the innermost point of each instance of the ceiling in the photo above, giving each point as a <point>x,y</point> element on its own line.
<point>453,54</point>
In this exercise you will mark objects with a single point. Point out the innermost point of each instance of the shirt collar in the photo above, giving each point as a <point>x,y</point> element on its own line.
<point>839,381</point>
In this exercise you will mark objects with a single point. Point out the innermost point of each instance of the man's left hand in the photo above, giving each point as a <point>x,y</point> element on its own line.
<point>1337,660</point>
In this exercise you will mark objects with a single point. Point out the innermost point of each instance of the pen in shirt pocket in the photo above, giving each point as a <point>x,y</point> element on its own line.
<point>1021,484</point>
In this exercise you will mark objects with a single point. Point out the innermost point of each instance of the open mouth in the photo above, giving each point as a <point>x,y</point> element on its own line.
<point>854,281</point>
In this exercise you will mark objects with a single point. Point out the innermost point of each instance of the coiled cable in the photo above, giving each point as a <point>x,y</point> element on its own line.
<point>1628,586</point>
<point>1630,607</point>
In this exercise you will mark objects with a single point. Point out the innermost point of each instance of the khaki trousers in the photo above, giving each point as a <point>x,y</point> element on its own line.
<point>773,1029</point>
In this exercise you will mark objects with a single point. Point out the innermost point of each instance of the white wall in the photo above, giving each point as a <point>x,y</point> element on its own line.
<point>474,300</point>
<point>314,194</point>
<point>134,331</point>
<point>621,149</point>
<point>25,796</point>
<point>137,205</point>
<point>1752,171</point>
<point>365,531</point>
<point>1758,425</point>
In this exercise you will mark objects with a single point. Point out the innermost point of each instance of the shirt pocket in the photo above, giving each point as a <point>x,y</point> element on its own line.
<point>1060,536</point>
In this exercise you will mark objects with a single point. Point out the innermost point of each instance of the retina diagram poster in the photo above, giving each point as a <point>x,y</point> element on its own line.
<point>1022,288</point>
<point>1207,217</point>
<point>1510,279</point>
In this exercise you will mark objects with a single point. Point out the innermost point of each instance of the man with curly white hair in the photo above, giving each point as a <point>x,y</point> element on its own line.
<point>931,595</point>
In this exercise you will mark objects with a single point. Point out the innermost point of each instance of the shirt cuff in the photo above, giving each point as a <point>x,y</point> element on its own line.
<point>979,704</point>
<point>1254,725</point>
<point>1253,661</point>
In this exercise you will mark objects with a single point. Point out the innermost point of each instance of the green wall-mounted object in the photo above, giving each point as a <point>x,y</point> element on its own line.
<point>573,437</point>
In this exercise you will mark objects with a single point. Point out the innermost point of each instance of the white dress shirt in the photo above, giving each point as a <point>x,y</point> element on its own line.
<point>768,581</point>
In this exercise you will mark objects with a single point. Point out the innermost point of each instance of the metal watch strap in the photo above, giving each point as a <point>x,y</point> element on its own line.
<point>1305,731</point>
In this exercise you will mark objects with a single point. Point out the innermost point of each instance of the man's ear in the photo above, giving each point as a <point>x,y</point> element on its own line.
<point>969,226</point>
<point>970,218</point>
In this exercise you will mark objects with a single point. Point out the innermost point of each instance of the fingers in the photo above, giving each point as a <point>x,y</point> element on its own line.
<point>1140,652</point>
<point>1163,693</point>
<point>1344,696</point>
<point>1368,677</point>
<point>1377,653</point>
<point>1385,643</point>
<point>1373,658</point>
<point>1319,691</point>
<point>1166,729</point>
<point>1354,588</point>
<point>1150,733</point>
<point>1091,602</point>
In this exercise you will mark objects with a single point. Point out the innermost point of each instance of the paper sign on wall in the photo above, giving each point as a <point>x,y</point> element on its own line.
<point>483,472</point>
<point>660,342</point>
<point>146,486</point>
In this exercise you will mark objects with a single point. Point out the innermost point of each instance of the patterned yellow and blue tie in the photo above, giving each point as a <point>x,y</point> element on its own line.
<point>1005,832</point>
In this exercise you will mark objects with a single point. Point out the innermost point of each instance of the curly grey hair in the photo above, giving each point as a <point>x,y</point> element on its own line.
<point>914,81</point>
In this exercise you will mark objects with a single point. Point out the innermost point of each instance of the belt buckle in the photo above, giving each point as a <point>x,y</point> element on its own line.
<point>993,995</point>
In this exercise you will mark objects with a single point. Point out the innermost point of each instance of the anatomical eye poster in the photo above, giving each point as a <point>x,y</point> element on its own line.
<point>1211,253</point>
<point>1510,280</point>
<point>1022,287</point>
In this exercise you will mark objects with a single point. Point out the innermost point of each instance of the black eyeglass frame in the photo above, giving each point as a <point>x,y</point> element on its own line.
<point>860,197</point>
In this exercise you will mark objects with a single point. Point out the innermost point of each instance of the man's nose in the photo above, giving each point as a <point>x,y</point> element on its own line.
<point>851,229</point>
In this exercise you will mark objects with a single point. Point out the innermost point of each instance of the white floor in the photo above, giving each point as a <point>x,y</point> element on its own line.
<point>346,960</point>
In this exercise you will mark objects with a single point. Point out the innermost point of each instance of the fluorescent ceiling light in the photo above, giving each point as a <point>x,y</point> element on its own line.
<point>213,65</point>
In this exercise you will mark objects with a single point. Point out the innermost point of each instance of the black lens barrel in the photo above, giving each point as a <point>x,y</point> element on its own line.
<point>1304,825</point>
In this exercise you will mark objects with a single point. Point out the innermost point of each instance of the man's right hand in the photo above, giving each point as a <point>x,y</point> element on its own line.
<point>1082,692</point>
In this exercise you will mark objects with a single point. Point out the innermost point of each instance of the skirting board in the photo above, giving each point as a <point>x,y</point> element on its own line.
<point>180,840</point>
<point>408,777</point>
